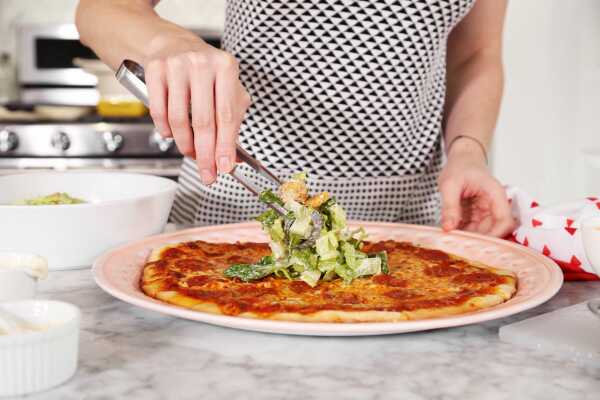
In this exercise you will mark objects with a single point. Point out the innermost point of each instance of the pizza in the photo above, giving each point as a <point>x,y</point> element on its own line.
<point>421,283</point>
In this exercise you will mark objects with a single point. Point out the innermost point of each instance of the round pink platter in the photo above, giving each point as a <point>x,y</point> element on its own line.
<point>118,273</point>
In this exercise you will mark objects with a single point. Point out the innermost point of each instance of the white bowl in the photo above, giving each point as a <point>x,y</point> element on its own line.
<point>590,233</point>
<point>120,208</point>
<point>35,361</point>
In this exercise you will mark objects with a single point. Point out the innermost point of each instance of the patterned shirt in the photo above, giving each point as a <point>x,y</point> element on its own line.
<point>351,91</point>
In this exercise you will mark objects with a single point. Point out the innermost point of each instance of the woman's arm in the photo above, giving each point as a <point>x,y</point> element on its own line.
<point>119,29</point>
<point>471,198</point>
<point>475,73</point>
<point>184,76</point>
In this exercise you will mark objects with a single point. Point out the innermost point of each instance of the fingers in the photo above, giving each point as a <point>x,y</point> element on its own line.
<point>230,107</point>
<point>479,218</point>
<point>178,103</point>
<point>490,212</point>
<point>205,85</point>
<point>156,81</point>
<point>451,192</point>
<point>484,225</point>
<point>504,223</point>
<point>203,117</point>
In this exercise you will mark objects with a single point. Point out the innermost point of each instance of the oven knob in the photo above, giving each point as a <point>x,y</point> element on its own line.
<point>113,141</point>
<point>163,144</point>
<point>60,141</point>
<point>8,141</point>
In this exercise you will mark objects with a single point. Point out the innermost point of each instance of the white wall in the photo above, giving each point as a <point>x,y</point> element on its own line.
<point>551,109</point>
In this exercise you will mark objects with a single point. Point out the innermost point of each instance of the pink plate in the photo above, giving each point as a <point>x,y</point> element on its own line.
<point>118,273</point>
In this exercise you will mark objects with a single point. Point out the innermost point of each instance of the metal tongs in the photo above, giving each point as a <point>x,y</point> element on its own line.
<point>131,75</point>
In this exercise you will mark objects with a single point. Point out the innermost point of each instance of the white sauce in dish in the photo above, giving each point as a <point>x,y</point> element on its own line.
<point>11,324</point>
<point>34,266</point>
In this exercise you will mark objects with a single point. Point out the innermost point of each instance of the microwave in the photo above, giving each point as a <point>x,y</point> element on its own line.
<point>45,70</point>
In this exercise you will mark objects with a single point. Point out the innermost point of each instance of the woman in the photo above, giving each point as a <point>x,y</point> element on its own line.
<point>357,93</point>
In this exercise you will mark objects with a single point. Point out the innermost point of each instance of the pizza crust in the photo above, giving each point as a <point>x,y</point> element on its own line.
<point>156,253</point>
<point>474,304</point>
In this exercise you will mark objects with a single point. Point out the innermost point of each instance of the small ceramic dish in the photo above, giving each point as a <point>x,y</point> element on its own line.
<point>43,355</point>
<point>590,234</point>
<point>118,208</point>
<point>19,273</point>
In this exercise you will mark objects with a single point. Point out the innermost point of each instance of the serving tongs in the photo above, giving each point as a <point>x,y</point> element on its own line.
<point>131,75</point>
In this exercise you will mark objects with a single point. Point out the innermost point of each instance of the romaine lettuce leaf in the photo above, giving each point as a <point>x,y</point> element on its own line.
<point>311,277</point>
<point>278,249</point>
<point>328,265</point>
<point>251,272</point>
<point>269,197</point>
<point>382,255</point>
<point>268,218</point>
<point>344,272</point>
<point>302,225</point>
<point>338,216</point>
<point>352,256</point>
<point>326,246</point>
<point>306,258</point>
<point>368,266</point>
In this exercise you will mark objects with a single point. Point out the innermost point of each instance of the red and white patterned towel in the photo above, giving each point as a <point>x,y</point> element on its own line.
<point>555,231</point>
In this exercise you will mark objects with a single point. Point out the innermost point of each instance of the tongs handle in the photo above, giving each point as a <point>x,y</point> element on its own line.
<point>131,75</point>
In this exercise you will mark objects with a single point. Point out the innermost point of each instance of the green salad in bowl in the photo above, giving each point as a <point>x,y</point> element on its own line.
<point>311,242</point>
<point>51,199</point>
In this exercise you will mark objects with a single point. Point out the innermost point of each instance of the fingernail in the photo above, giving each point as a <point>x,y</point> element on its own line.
<point>207,176</point>
<point>448,223</point>
<point>224,164</point>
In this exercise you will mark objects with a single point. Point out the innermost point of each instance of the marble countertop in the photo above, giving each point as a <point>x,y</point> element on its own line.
<point>128,352</point>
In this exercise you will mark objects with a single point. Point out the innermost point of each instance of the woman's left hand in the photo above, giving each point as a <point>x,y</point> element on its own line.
<point>472,199</point>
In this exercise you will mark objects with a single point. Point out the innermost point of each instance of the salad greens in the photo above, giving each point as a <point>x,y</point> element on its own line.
<point>51,199</point>
<point>311,242</point>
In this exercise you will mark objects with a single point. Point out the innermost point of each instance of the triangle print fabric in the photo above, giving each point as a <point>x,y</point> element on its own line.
<point>555,231</point>
<point>350,91</point>
<point>348,88</point>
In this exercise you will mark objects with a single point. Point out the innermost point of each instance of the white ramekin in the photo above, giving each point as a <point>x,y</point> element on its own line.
<point>590,233</point>
<point>35,361</point>
<point>19,273</point>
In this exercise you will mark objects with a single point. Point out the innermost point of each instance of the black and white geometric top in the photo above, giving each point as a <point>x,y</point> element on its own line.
<point>351,91</point>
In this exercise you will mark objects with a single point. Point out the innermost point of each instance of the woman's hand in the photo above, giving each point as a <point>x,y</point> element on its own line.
<point>472,199</point>
<point>185,76</point>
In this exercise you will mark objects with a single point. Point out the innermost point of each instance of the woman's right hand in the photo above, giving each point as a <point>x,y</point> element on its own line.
<point>186,76</point>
